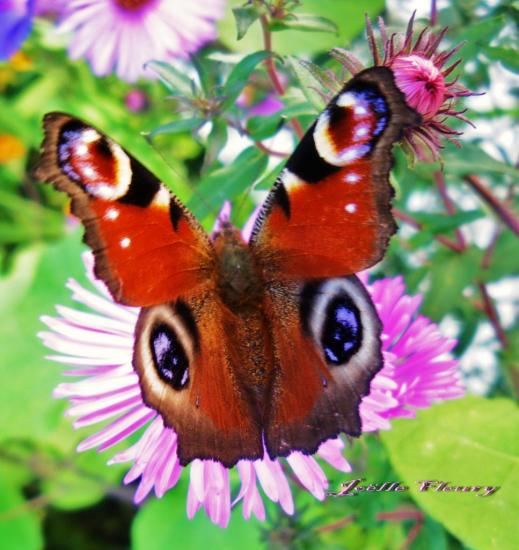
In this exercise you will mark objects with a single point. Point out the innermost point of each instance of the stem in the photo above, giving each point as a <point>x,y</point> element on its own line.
<point>46,471</point>
<point>405,514</point>
<point>339,524</point>
<point>485,262</point>
<point>449,243</point>
<point>449,205</point>
<point>500,208</point>
<point>259,144</point>
<point>262,147</point>
<point>434,13</point>
<point>490,311</point>
<point>271,70</point>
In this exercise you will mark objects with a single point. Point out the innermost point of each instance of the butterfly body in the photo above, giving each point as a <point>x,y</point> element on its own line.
<point>237,275</point>
<point>246,347</point>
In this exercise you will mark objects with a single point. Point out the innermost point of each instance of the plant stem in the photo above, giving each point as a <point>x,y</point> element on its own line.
<point>339,524</point>
<point>262,147</point>
<point>449,243</point>
<point>405,514</point>
<point>449,205</point>
<point>271,70</point>
<point>490,311</point>
<point>499,207</point>
<point>434,13</point>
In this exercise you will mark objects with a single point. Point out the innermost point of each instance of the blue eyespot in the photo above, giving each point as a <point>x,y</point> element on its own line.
<point>169,357</point>
<point>342,330</point>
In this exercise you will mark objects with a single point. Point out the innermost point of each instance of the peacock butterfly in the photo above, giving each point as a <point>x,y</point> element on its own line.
<point>241,346</point>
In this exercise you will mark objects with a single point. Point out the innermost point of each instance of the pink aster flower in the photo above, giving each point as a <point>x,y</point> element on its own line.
<point>421,72</point>
<point>123,35</point>
<point>97,345</point>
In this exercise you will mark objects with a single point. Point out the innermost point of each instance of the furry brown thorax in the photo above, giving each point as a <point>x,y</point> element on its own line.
<point>238,278</point>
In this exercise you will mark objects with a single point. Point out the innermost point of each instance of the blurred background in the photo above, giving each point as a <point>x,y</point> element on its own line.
<point>213,134</point>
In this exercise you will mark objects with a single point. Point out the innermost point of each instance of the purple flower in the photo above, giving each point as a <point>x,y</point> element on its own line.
<point>15,25</point>
<point>421,73</point>
<point>98,347</point>
<point>123,35</point>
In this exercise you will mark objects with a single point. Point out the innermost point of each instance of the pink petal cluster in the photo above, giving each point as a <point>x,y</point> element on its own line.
<point>124,35</point>
<point>422,75</point>
<point>97,346</point>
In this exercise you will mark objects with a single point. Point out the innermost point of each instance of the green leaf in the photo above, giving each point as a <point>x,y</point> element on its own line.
<point>177,126</point>
<point>504,260</point>
<point>227,182</point>
<point>309,83</point>
<point>175,80</point>
<point>215,142</point>
<point>239,76</point>
<point>304,22</point>
<point>473,160</point>
<point>348,15</point>
<point>162,524</point>
<point>19,526</point>
<point>439,223</point>
<point>450,273</point>
<point>509,57</point>
<point>262,127</point>
<point>267,181</point>
<point>470,441</point>
<point>244,17</point>
<point>27,408</point>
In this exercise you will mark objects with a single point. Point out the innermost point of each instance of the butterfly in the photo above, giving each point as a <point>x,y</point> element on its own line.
<point>246,347</point>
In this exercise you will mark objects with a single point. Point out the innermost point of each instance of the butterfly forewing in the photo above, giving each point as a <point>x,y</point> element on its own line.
<point>329,213</point>
<point>148,248</point>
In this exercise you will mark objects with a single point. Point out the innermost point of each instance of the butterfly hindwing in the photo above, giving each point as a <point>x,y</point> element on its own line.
<point>326,339</point>
<point>194,361</point>
<point>329,213</point>
<point>148,248</point>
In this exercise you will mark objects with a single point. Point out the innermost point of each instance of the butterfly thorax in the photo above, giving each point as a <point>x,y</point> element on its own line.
<point>238,280</point>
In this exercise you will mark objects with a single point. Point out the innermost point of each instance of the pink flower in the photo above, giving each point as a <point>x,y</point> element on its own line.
<point>123,35</point>
<point>98,347</point>
<point>422,75</point>
<point>422,83</point>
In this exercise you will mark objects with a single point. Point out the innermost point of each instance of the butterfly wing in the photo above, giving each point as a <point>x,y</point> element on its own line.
<point>150,251</point>
<point>326,339</point>
<point>194,365</point>
<point>148,248</point>
<point>329,213</point>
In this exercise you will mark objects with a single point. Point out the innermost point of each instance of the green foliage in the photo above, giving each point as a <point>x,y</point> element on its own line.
<point>19,526</point>
<point>159,523</point>
<point>198,110</point>
<point>471,441</point>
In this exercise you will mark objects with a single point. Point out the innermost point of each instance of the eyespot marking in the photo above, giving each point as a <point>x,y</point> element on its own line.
<point>350,208</point>
<point>342,330</point>
<point>169,357</point>
<point>125,242</point>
